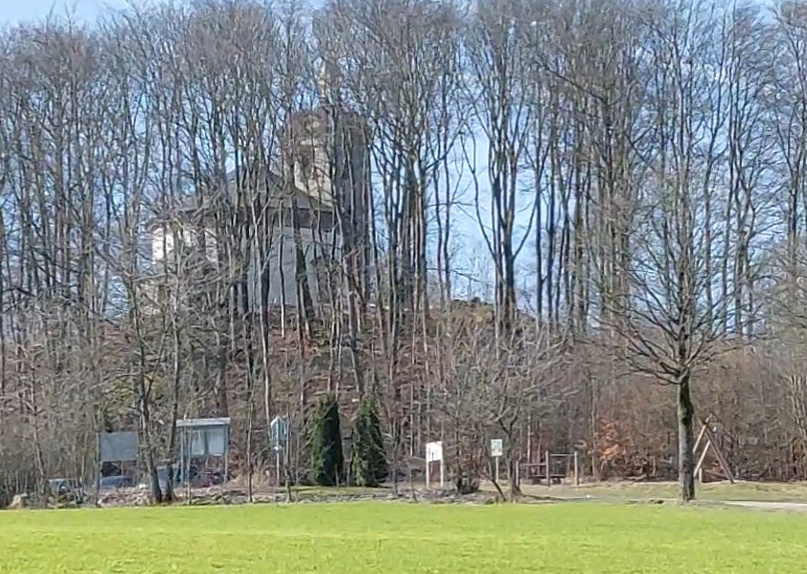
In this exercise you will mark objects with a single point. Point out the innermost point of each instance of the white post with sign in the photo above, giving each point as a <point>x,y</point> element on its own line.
<point>278,436</point>
<point>434,453</point>
<point>496,451</point>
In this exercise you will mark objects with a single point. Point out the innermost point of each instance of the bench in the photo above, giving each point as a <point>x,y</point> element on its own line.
<point>535,473</point>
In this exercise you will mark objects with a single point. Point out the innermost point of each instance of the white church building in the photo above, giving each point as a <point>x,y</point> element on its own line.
<point>313,207</point>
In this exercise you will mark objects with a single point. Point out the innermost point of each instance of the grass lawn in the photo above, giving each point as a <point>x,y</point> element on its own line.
<point>360,538</point>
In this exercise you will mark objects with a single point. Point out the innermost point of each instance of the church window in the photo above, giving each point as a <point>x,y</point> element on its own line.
<point>306,164</point>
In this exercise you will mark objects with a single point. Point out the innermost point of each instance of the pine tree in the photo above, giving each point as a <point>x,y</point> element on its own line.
<point>327,459</point>
<point>368,461</point>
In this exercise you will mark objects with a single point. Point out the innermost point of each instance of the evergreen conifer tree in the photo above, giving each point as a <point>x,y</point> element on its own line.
<point>368,459</point>
<point>327,458</point>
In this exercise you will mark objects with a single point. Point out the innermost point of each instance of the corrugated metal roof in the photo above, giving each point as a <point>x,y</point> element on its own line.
<point>198,423</point>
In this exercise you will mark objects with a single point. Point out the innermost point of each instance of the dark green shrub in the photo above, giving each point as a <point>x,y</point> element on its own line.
<point>368,462</point>
<point>327,459</point>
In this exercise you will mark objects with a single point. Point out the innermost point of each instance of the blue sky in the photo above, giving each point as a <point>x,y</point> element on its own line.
<point>14,11</point>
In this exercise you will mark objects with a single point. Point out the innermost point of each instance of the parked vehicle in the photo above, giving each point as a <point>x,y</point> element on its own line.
<point>178,479</point>
<point>208,478</point>
<point>111,483</point>
<point>67,490</point>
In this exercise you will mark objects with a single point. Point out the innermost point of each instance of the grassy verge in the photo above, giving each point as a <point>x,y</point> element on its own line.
<point>401,538</point>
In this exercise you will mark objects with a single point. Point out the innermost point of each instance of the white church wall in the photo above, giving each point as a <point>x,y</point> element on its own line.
<point>280,267</point>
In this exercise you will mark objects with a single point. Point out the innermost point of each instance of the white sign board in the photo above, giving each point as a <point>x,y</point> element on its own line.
<point>278,433</point>
<point>434,451</point>
<point>217,441</point>
<point>197,443</point>
<point>496,447</point>
<point>203,437</point>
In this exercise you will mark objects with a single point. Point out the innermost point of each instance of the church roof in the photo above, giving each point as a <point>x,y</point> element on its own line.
<point>262,184</point>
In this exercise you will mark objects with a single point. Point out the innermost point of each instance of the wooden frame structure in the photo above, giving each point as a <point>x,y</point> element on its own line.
<point>708,431</point>
<point>547,472</point>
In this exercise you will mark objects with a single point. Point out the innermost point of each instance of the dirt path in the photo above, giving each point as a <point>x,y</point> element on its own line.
<point>793,506</point>
<point>755,504</point>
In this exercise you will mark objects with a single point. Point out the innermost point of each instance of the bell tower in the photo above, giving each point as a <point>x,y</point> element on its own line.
<point>329,162</point>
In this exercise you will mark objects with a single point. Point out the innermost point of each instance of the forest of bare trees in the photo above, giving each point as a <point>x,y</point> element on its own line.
<point>587,230</point>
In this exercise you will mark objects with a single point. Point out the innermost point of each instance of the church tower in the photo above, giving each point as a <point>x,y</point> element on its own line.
<point>328,160</point>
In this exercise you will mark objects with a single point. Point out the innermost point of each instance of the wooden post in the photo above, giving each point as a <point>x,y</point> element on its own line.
<point>546,470</point>
<point>720,458</point>
<point>711,442</point>
<point>576,470</point>
<point>700,437</point>
<point>701,459</point>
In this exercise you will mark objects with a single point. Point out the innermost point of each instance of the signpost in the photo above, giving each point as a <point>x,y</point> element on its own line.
<point>496,451</point>
<point>202,438</point>
<point>113,447</point>
<point>278,433</point>
<point>278,438</point>
<point>434,453</point>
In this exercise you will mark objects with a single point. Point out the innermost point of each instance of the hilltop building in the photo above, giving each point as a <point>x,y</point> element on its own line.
<point>301,227</point>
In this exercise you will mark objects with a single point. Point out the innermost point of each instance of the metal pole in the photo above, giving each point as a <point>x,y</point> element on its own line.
<point>179,474</point>
<point>226,477</point>
<point>187,470</point>
<point>548,474</point>
<point>576,470</point>
<point>442,473</point>
<point>277,469</point>
<point>99,468</point>
<point>428,468</point>
<point>497,469</point>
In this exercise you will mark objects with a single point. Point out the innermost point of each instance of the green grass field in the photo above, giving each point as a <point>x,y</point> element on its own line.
<point>384,537</point>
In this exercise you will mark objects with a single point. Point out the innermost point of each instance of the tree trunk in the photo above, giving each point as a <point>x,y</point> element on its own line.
<point>512,477</point>
<point>686,456</point>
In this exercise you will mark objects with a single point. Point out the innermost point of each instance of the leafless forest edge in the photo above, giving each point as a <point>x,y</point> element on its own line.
<point>636,171</point>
